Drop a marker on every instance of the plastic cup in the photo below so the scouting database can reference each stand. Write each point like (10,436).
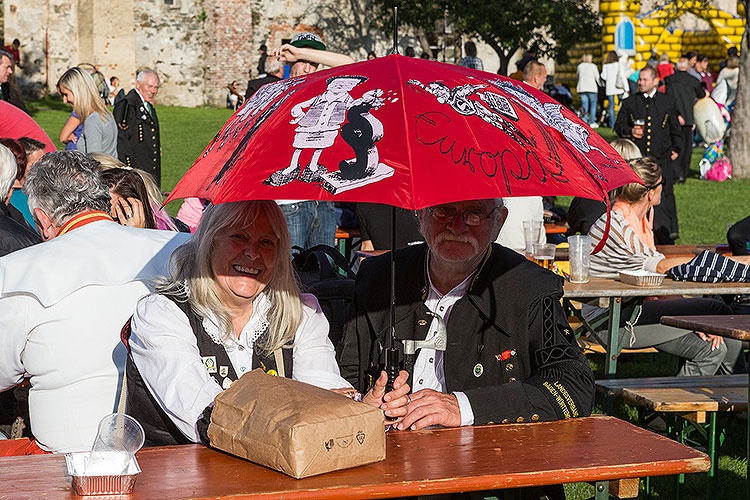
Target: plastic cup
(579,255)
(118,438)
(532,231)
(544,254)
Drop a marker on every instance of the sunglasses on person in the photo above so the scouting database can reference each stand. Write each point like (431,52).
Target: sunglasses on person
(660,183)
(446,214)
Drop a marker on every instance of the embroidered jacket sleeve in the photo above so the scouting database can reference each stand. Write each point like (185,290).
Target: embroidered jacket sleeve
(560,383)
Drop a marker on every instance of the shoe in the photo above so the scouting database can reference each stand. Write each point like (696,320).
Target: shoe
(313,175)
(594,125)
(279,178)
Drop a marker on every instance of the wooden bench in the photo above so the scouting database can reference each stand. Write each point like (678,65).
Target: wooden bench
(689,405)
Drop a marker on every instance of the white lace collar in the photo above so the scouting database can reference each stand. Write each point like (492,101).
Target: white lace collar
(251,332)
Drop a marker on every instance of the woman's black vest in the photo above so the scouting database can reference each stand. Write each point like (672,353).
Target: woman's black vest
(141,404)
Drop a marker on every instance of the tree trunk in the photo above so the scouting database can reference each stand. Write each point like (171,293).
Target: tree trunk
(501,54)
(738,145)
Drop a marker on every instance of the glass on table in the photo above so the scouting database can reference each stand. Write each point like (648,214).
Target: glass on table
(544,254)
(532,233)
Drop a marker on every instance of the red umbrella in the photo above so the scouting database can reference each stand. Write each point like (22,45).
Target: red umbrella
(404,132)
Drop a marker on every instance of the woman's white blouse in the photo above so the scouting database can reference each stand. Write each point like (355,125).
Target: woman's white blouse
(166,353)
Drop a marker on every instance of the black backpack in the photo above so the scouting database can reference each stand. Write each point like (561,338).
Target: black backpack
(334,288)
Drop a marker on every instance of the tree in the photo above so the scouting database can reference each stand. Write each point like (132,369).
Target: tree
(552,26)
(738,144)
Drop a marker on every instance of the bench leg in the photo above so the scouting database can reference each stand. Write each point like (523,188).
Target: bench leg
(712,438)
(601,490)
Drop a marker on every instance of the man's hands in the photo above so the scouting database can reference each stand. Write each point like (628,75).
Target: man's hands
(715,340)
(393,403)
(428,407)
(674,155)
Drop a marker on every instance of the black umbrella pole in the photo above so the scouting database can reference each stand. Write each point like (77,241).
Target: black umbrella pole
(391,353)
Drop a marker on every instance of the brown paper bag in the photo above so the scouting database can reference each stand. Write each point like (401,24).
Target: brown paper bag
(293,427)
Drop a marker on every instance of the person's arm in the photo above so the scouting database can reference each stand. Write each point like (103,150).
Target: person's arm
(93,132)
(13,316)
(561,383)
(165,351)
(66,134)
(623,127)
(125,119)
(289,54)
(675,131)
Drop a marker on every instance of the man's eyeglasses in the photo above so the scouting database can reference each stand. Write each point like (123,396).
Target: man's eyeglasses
(446,214)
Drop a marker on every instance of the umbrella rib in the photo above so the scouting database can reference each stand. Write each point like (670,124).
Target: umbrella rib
(406,132)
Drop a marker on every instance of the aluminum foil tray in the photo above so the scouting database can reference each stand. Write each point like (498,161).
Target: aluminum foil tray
(99,485)
(642,278)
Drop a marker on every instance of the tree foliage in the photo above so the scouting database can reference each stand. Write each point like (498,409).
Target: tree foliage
(552,26)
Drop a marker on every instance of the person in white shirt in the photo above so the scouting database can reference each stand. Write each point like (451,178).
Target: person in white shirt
(63,302)
(231,305)
(588,87)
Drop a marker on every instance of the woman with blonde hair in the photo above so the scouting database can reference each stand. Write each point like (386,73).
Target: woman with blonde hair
(99,129)
(630,247)
(614,83)
(231,305)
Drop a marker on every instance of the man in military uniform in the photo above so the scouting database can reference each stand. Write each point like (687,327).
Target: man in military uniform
(495,344)
(138,126)
(649,118)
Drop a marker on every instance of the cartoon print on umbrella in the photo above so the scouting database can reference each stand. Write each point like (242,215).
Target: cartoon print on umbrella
(260,101)
(318,128)
(458,99)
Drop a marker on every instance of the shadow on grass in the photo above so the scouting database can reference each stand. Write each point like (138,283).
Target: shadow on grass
(48,103)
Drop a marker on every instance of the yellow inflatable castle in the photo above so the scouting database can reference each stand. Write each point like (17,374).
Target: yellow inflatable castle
(675,28)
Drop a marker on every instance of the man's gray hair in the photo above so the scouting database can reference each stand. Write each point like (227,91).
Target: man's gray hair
(682,64)
(66,183)
(142,75)
(8,169)
(4,53)
(273,65)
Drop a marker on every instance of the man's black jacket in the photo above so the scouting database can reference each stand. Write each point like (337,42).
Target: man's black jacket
(662,133)
(510,349)
(684,89)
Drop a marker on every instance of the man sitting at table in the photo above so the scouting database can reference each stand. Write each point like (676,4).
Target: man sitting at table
(510,354)
(64,301)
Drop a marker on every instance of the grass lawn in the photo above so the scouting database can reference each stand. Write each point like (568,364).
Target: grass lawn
(704,208)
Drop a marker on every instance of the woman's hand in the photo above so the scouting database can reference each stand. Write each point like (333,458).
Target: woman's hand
(128,212)
(715,340)
(392,403)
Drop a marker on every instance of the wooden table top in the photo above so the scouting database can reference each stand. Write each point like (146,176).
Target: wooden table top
(347,233)
(681,394)
(733,327)
(613,287)
(419,463)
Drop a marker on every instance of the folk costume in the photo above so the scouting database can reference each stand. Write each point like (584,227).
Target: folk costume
(179,362)
(510,355)
(662,135)
(138,143)
(62,305)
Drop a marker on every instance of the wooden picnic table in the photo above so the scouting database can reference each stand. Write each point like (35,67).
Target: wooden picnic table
(418,463)
(668,250)
(613,291)
(690,403)
(733,327)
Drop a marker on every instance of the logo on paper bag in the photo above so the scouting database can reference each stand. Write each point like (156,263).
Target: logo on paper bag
(344,441)
(361,437)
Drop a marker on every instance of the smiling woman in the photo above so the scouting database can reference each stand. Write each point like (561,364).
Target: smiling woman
(231,305)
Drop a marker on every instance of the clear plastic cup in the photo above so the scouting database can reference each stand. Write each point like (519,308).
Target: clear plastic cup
(544,254)
(579,254)
(532,232)
(118,438)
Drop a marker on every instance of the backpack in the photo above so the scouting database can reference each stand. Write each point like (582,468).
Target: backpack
(334,290)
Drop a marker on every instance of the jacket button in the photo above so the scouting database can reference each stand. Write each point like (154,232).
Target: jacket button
(509,367)
(490,423)
(512,379)
(535,417)
(519,419)
(422,322)
(505,421)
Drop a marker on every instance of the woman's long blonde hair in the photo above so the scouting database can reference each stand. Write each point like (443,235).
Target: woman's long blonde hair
(86,99)
(191,272)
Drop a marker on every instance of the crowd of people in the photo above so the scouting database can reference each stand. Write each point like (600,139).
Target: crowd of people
(144,317)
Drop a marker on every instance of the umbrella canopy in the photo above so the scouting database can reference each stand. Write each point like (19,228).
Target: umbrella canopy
(405,132)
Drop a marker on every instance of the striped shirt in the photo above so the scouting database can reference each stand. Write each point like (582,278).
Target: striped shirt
(710,267)
(623,251)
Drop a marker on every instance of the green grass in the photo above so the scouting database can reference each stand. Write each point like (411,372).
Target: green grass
(704,209)
(185,132)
